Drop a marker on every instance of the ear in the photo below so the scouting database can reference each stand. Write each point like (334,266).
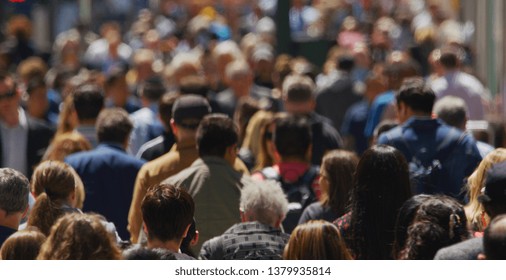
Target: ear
(145,228)
(173,126)
(195,239)
(481,256)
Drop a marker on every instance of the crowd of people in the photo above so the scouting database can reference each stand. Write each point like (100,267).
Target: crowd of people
(188,137)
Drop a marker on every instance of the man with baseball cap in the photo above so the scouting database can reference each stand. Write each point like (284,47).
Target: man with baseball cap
(187,112)
(493,198)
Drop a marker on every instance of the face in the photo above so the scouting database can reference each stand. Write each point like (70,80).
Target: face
(9,99)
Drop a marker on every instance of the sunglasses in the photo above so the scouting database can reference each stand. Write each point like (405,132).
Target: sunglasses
(8,95)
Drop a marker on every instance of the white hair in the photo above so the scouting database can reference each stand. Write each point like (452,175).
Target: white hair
(265,201)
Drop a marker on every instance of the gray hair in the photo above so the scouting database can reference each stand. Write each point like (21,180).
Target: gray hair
(14,191)
(452,110)
(265,200)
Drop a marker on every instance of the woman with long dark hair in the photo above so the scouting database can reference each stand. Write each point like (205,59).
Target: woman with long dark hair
(381,186)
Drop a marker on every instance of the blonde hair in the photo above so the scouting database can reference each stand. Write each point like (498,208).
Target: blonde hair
(316,240)
(79,237)
(476,216)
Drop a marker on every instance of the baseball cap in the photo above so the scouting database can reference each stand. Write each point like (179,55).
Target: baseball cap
(188,110)
(495,184)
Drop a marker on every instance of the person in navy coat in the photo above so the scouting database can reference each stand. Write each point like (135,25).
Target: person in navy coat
(108,172)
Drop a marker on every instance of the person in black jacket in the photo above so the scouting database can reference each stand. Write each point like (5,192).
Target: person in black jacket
(20,134)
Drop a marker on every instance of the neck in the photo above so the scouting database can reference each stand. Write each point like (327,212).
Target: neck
(171,245)
(11,221)
(293,159)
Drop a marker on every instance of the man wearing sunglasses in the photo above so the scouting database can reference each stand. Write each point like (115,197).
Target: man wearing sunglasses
(19,133)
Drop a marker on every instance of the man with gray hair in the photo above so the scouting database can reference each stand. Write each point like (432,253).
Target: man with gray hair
(454,112)
(263,207)
(14,191)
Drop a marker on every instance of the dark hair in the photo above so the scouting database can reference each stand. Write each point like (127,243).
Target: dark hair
(440,221)
(345,63)
(450,56)
(215,134)
(339,167)
(381,186)
(22,245)
(415,94)
(14,191)
(494,239)
(113,125)
(152,89)
(404,219)
(167,211)
(52,182)
(292,136)
(165,107)
(88,101)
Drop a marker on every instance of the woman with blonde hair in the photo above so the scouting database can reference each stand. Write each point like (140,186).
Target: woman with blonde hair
(54,186)
(476,216)
(257,142)
(316,240)
(79,237)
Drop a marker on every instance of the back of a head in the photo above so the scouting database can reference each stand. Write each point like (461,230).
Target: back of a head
(152,89)
(298,89)
(167,211)
(237,69)
(398,68)
(88,101)
(114,126)
(22,245)
(215,134)
(14,191)
(66,144)
(194,85)
(439,221)
(264,202)
(316,240)
(79,237)
(165,107)
(381,186)
(338,167)
(494,239)
(450,57)
(417,95)
(406,216)
(452,110)
(345,63)
(292,136)
(189,110)
(53,183)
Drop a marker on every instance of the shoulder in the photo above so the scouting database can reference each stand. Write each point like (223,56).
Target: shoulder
(465,250)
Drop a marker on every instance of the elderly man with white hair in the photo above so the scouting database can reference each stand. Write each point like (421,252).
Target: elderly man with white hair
(263,207)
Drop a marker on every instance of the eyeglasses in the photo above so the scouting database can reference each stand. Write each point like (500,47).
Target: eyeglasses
(8,95)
